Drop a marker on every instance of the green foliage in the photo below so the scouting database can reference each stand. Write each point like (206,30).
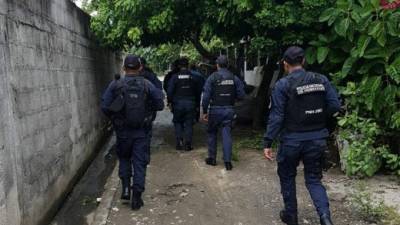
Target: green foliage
(361,49)
(123,23)
(160,57)
(251,140)
(364,42)
(277,26)
(362,157)
(365,154)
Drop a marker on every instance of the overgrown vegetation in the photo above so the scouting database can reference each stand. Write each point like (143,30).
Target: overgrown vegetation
(355,42)
(371,209)
(363,40)
(252,140)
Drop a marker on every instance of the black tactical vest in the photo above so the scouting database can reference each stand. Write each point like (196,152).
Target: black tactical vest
(184,86)
(306,108)
(224,91)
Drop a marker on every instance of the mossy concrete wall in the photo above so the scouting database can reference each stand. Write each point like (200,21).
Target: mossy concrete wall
(51,76)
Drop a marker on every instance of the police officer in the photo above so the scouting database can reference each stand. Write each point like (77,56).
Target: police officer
(148,74)
(300,106)
(202,81)
(130,103)
(184,92)
(174,69)
(221,90)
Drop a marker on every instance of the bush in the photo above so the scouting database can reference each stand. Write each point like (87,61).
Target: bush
(362,40)
(365,155)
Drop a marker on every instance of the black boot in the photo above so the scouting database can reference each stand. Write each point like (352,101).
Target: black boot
(326,220)
(179,145)
(137,201)
(126,189)
(188,147)
(211,162)
(228,166)
(288,219)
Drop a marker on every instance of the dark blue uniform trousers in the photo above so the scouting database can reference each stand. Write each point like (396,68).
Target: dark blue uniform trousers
(134,154)
(184,115)
(220,118)
(289,156)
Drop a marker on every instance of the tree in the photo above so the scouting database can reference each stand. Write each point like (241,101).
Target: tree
(123,23)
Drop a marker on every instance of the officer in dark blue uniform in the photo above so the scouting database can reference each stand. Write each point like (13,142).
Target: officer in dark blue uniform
(174,69)
(300,106)
(184,92)
(202,81)
(130,103)
(149,75)
(221,90)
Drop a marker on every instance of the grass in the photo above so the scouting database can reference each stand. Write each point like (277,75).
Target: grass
(247,140)
(373,210)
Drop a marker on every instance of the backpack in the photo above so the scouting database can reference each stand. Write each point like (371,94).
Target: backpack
(133,102)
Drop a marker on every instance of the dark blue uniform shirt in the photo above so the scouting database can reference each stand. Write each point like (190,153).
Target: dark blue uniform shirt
(208,88)
(279,100)
(152,77)
(200,76)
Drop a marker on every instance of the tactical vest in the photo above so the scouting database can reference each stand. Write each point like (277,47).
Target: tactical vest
(184,87)
(224,91)
(306,107)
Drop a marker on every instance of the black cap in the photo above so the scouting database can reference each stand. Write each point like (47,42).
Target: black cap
(294,55)
(222,60)
(132,62)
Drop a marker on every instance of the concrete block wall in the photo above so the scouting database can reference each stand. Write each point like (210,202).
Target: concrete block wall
(51,78)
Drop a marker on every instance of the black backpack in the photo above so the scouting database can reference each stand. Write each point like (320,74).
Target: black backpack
(133,103)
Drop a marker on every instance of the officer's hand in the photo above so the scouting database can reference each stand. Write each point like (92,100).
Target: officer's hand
(268,154)
(205,117)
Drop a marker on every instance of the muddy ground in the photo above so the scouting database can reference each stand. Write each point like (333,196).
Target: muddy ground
(181,189)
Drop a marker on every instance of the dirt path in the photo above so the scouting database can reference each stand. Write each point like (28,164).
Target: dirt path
(181,189)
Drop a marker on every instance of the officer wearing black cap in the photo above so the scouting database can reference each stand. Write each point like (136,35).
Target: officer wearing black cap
(300,106)
(221,90)
(149,75)
(184,91)
(130,103)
